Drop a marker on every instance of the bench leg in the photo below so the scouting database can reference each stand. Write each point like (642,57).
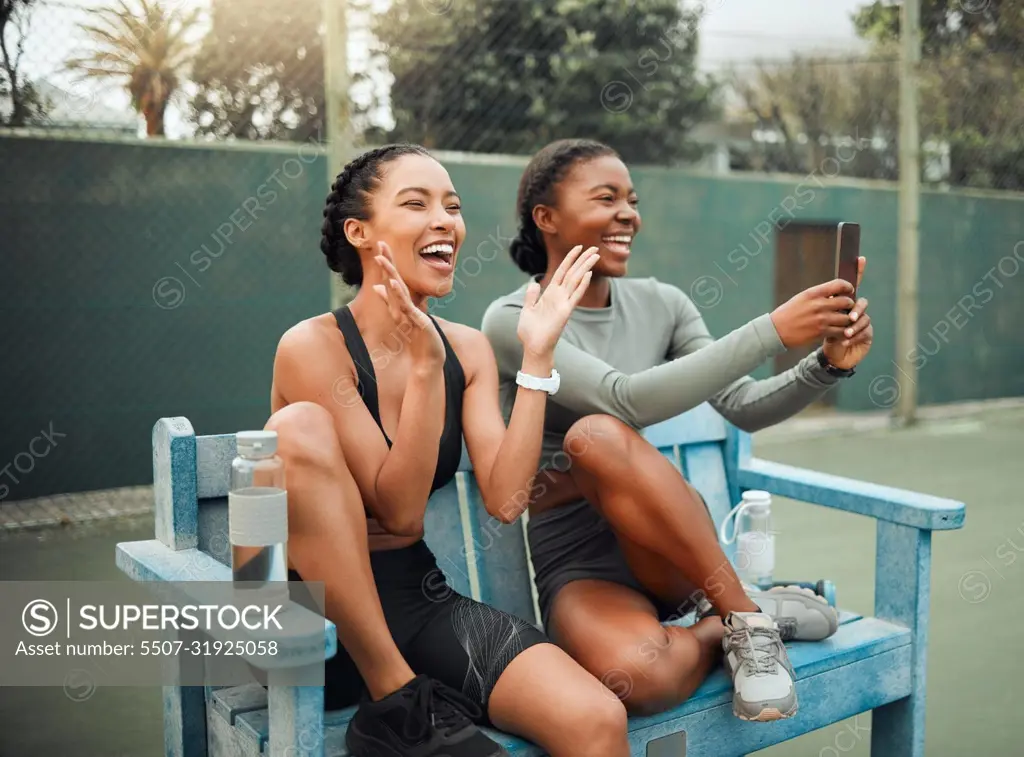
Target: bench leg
(902,594)
(296,716)
(185,721)
(184,706)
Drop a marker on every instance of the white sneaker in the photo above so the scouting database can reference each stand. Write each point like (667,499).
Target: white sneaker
(762,676)
(800,614)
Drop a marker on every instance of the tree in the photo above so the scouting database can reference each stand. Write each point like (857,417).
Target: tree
(504,76)
(842,108)
(26,105)
(971,81)
(989,26)
(259,72)
(146,46)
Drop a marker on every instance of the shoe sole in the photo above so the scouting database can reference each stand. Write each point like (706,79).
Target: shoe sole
(360,745)
(767,715)
(812,603)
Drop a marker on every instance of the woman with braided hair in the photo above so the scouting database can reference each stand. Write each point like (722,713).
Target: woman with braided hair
(620,542)
(372,403)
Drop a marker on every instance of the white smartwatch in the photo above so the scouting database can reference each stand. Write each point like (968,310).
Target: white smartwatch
(549,385)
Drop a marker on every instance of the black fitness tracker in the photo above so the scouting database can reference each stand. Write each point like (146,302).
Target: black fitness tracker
(830,369)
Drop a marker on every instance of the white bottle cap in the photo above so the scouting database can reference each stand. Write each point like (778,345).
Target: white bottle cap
(757,499)
(256,442)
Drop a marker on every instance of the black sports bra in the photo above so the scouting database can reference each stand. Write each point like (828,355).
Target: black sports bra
(450,454)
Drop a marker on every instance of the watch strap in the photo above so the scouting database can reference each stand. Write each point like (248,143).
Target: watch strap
(547,384)
(830,369)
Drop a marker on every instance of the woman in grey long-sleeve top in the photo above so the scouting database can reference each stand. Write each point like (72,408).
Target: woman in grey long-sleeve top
(620,541)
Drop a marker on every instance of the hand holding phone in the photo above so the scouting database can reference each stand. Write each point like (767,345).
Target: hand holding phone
(847,351)
(848,253)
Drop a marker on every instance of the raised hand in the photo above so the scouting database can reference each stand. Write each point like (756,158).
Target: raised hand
(544,315)
(848,350)
(814,313)
(414,326)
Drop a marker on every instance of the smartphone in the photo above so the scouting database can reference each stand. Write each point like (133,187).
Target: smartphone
(848,253)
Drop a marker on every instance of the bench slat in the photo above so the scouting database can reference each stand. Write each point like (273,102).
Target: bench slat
(705,468)
(214,454)
(701,424)
(499,554)
(231,702)
(443,531)
(877,501)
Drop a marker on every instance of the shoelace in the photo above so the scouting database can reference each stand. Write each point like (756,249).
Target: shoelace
(440,706)
(760,657)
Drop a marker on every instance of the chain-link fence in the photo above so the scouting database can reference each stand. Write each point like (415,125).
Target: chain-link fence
(507,76)
(184,69)
(165,169)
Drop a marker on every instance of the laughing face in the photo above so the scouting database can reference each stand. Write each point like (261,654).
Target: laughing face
(416,211)
(596,205)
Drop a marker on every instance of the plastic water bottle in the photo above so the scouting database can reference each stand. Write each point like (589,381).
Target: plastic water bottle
(258,514)
(754,537)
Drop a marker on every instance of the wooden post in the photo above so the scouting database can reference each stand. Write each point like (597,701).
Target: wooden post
(337,116)
(909,211)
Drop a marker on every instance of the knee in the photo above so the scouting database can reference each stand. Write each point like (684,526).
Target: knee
(598,726)
(599,438)
(656,673)
(306,434)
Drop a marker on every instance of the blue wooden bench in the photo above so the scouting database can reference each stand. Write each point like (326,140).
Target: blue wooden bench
(871,664)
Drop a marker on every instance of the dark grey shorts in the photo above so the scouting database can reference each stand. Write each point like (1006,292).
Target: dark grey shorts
(574,542)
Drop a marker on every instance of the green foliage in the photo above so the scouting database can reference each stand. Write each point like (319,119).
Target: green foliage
(972,84)
(144,45)
(504,76)
(992,26)
(26,105)
(842,110)
(260,71)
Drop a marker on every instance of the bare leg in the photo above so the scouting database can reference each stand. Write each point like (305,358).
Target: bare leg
(614,633)
(546,697)
(328,542)
(657,516)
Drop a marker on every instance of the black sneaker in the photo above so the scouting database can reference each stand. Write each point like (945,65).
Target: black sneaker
(424,718)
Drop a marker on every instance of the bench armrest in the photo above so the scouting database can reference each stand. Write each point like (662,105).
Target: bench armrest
(309,638)
(887,503)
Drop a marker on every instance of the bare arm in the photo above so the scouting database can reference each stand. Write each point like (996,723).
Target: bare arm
(394,483)
(402,485)
(504,459)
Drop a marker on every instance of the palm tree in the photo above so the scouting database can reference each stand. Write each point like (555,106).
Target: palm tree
(145,46)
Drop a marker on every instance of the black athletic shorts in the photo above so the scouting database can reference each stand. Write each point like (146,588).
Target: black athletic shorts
(573,542)
(451,638)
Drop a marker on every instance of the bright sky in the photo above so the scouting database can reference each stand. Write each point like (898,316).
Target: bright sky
(742,30)
(734,32)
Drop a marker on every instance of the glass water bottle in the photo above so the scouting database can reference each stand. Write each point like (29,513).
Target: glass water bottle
(258,514)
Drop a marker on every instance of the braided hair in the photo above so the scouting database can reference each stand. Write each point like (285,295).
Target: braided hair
(536,187)
(349,198)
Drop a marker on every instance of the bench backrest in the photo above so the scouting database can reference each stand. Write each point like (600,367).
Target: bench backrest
(480,556)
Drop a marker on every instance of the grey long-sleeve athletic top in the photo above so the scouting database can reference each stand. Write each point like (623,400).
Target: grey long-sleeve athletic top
(649,357)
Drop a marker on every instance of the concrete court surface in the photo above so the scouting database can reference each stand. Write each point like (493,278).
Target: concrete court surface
(976,671)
